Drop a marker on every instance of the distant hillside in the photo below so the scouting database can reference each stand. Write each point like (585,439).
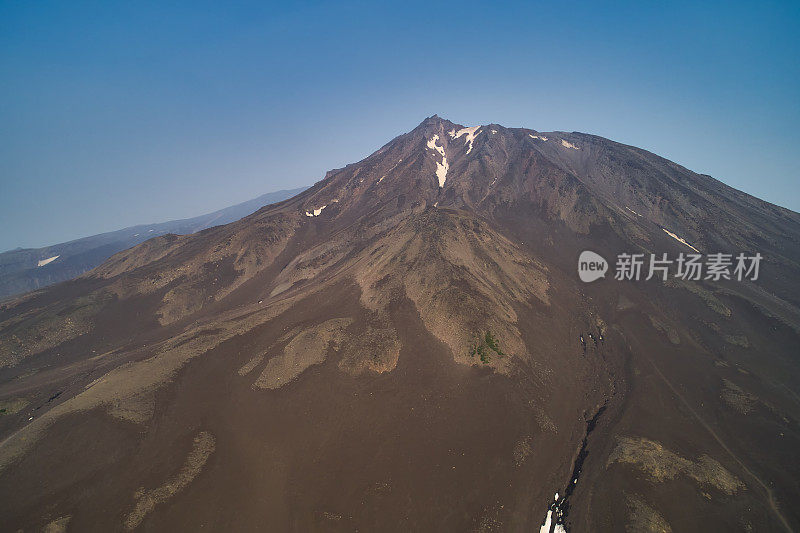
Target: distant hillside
(23,270)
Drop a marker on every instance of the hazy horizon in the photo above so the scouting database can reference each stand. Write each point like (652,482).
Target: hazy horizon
(117,115)
(152,222)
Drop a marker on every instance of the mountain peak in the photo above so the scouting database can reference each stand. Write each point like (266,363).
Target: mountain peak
(435,120)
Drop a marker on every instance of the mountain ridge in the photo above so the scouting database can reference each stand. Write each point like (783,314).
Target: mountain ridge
(20,268)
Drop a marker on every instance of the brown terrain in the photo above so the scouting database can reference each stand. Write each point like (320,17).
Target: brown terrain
(398,348)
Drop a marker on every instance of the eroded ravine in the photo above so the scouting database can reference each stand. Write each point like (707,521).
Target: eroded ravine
(555,521)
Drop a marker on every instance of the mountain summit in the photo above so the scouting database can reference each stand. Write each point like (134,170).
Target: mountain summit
(407,345)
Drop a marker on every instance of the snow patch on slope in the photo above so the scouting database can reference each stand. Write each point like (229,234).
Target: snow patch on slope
(548,521)
(391,169)
(441,168)
(540,137)
(546,526)
(315,212)
(680,239)
(470,133)
(632,211)
(47,261)
(567,144)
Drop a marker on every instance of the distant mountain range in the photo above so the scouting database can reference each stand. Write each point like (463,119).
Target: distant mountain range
(26,269)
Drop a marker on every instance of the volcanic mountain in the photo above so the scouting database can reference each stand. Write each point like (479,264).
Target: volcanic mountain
(407,346)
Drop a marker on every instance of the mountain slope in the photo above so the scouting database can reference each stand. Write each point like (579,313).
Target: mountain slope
(23,270)
(406,346)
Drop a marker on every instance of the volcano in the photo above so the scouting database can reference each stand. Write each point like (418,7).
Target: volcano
(407,346)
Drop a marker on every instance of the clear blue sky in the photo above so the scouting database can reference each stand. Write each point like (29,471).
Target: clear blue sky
(117,113)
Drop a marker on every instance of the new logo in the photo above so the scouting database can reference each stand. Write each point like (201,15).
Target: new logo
(591,266)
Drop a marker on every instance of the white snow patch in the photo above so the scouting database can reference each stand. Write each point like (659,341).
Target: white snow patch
(546,527)
(135,234)
(315,212)
(680,240)
(441,168)
(558,528)
(494,131)
(470,133)
(540,137)
(567,144)
(148,231)
(47,261)
(632,211)
(391,169)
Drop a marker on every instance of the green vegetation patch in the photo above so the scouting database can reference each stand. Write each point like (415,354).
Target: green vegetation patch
(484,346)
